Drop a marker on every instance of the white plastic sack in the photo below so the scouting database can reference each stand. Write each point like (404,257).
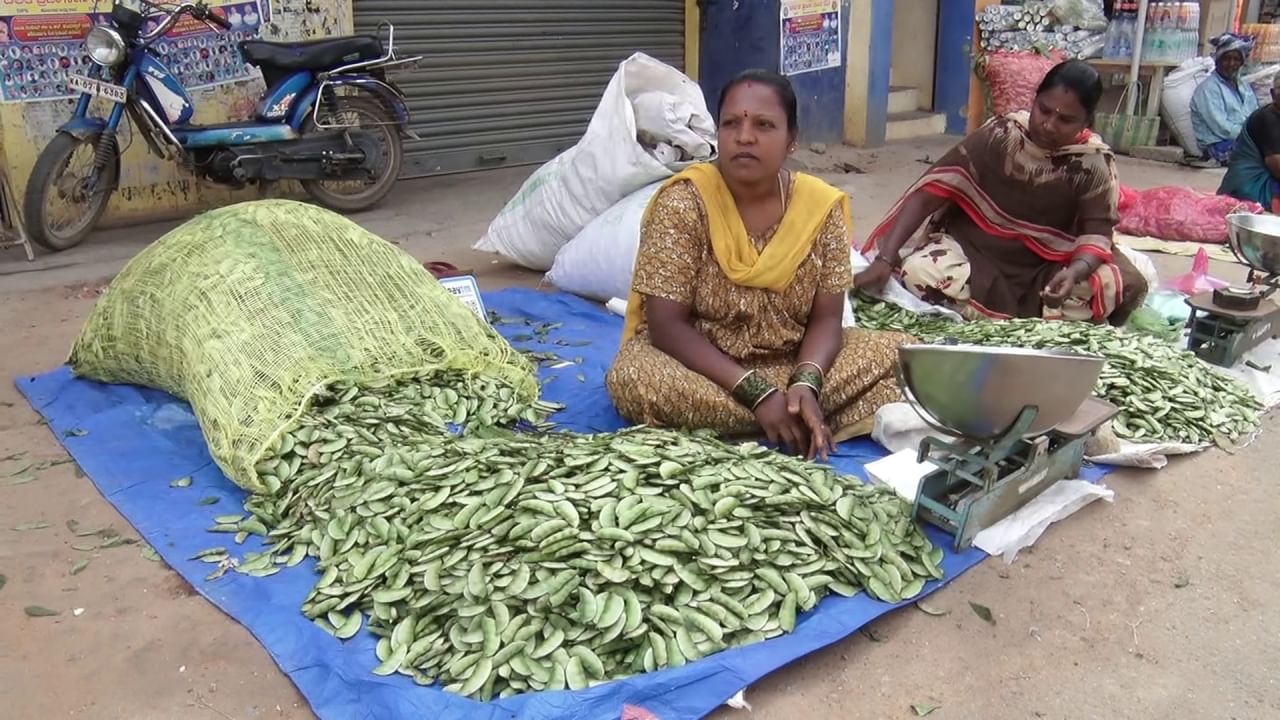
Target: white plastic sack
(609,163)
(1175,102)
(664,119)
(597,264)
(1024,527)
(1261,81)
(899,427)
(1144,265)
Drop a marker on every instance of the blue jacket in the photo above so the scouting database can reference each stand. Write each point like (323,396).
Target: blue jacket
(1218,111)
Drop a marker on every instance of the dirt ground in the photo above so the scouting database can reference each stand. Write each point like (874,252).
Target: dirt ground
(1163,604)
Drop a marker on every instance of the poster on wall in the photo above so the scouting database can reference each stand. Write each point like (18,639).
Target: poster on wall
(42,41)
(810,35)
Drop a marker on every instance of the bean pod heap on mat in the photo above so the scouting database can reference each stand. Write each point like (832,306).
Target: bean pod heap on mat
(499,562)
(492,562)
(1165,394)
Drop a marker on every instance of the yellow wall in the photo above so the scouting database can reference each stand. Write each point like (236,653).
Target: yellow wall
(692,38)
(150,188)
(915,41)
(857,73)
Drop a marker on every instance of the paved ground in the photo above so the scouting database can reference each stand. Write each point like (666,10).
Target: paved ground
(1162,604)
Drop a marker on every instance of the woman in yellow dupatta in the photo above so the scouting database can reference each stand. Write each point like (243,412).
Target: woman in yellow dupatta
(734,321)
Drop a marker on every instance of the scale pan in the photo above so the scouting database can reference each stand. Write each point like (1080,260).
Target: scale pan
(1255,239)
(977,392)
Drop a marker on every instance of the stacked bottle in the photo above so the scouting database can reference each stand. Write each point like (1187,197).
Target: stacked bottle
(1171,34)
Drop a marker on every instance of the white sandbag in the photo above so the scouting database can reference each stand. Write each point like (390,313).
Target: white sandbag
(1175,102)
(597,264)
(609,163)
(1146,268)
(1261,83)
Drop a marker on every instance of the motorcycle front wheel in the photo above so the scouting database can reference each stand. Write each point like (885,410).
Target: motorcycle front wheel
(61,176)
(355,195)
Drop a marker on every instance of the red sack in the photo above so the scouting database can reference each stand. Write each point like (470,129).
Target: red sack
(1198,280)
(1012,78)
(1178,213)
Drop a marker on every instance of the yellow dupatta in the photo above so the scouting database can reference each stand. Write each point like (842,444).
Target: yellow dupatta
(773,268)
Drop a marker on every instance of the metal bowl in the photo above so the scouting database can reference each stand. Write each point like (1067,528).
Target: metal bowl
(1255,239)
(978,392)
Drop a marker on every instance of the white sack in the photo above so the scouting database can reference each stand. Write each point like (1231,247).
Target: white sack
(1024,527)
(1175,102)
(597,264)
(609,163)
(1144,265)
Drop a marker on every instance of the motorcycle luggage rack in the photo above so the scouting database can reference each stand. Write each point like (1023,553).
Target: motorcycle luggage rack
(329,101)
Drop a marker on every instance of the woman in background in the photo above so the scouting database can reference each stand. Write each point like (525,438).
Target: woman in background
(1021,215)
(734,320)
(1223,101)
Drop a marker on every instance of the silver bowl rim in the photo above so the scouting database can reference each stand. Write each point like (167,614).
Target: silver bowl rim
(1234,222)
(932,420)
(1062,353)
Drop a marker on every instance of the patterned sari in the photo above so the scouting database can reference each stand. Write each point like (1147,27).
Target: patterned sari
(1017,214)
(751,296)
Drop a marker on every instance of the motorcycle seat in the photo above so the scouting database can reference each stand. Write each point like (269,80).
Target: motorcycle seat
(325,54)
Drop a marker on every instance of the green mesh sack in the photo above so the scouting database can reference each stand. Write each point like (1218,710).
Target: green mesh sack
(247,311)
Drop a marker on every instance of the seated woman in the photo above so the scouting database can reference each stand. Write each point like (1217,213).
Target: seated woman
(1223,101)
(1022,213)
(1254,171)
(734,320)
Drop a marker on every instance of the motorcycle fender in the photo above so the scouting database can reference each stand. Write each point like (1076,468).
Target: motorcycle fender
(389,95)
(82,128)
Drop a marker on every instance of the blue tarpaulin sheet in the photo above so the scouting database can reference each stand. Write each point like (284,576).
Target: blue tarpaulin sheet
(133,442)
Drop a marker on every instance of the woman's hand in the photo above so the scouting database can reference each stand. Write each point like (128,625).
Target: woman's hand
(874,276)
(1059,287)
(782,428)
(802,403)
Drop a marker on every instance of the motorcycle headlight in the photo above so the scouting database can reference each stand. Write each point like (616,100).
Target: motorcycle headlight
(105,46)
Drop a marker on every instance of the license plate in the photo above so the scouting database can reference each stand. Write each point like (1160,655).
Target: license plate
(98,88)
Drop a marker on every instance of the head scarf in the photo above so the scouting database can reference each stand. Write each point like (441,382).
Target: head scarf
(1231,42)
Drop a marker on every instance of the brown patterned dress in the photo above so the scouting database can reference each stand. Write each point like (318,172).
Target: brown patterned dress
(1017,214)
(760,329)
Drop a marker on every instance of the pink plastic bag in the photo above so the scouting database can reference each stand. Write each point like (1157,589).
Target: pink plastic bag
(1178,213)
(1198,280)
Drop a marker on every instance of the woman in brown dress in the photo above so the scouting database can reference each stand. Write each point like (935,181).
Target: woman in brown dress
(1021,218)
(734,321)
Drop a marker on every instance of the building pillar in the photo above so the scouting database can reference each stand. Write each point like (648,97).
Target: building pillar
(870,56)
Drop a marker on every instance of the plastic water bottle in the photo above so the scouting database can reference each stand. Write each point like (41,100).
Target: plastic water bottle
(1109,41)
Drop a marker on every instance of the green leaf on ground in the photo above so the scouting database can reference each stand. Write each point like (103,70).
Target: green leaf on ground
(983,612)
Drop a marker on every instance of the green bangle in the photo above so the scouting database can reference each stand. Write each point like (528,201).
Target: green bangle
(805,377)
(751,390)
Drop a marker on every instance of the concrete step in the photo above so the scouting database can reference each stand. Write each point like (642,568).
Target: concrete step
(918,123)
(903,99)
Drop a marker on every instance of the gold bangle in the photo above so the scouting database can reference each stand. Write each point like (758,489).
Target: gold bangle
(821,373)
(762,398)
(811,386)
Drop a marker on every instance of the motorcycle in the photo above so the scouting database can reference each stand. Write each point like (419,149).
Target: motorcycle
(330,119)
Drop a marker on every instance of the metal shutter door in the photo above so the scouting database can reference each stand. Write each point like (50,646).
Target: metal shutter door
(510,82)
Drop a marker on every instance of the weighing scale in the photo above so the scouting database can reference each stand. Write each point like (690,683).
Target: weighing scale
(997,465)
(1229,322)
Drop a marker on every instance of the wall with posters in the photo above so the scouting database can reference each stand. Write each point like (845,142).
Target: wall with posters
(807,40)
(838,54)
(41,40)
